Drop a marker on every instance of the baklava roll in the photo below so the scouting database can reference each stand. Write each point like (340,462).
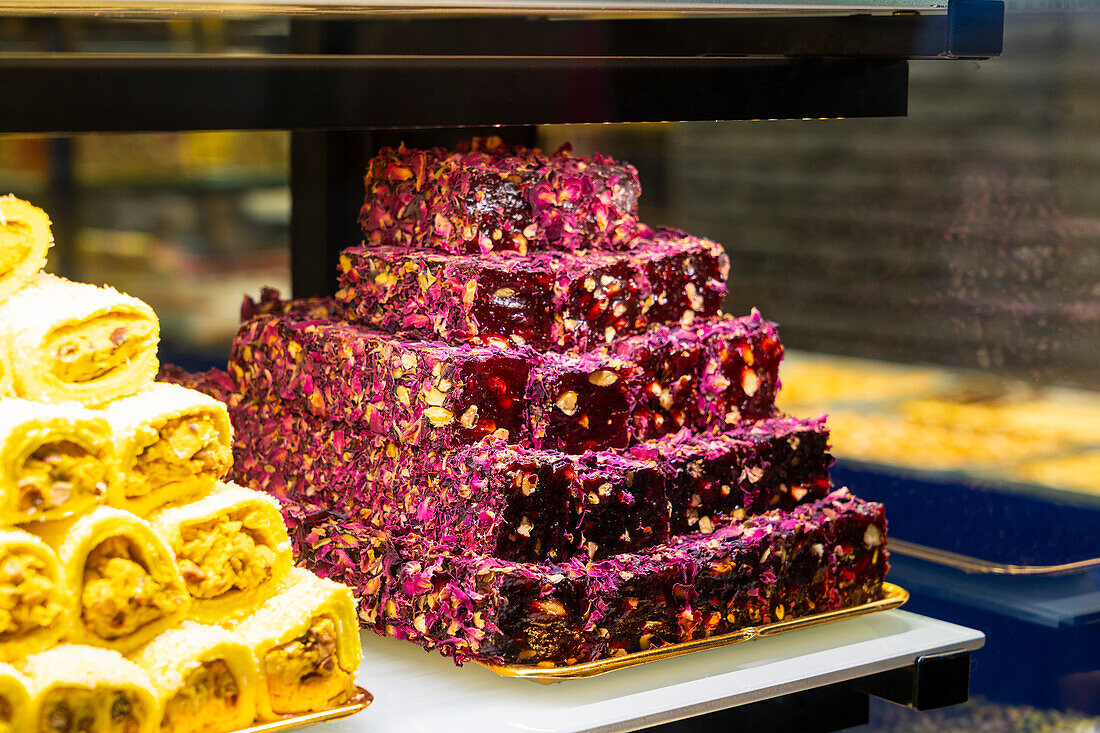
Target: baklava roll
(306,642)
(123,582)
(7,383)
(232,549)
(55,460)
(34,602)
(82,689)
(205,679)
(66,341)
(172,443)
(25,237)
(15,700)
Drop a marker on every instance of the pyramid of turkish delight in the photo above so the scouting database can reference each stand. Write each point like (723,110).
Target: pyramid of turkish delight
(523,431)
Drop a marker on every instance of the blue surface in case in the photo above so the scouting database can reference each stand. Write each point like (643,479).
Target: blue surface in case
(1038,630)
(1007,524)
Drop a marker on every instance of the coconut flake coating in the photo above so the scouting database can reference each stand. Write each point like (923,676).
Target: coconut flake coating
(485,196)
(780,565)
(550,299)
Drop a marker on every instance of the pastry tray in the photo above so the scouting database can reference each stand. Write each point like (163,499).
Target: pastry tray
(360,701)
(892,597)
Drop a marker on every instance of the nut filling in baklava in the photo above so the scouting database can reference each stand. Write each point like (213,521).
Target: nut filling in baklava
(7,716)
(223,555)
(120,594)
(184,447)
(59,473)
(95,347)
(28,596)
(305,673)
(76,710)
(210,693)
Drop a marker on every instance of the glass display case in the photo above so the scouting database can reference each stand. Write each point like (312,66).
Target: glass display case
(919,221)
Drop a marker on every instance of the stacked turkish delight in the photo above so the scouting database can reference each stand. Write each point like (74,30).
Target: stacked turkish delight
(524,431)
(821,556)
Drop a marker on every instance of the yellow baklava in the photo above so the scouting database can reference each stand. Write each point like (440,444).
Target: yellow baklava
(63,341)
(123,581)
(15,701)
(82,689)
(34,602)
(55,460)
(25,237)
(172,445)
(205,678)
(232,550)
(306,641)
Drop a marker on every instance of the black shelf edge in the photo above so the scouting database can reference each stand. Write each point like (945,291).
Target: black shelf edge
(932,681)
(107,94)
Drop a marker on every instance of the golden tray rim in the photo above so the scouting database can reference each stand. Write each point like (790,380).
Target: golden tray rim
(360,702)
(893,596)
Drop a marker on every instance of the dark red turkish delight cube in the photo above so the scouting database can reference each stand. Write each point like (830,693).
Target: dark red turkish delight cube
(860,540)
(741,375)
(580,402)
(502,295)
(418,392)
(748,469)
(542,508)
(556,506)
(517,305)
(686,282)
(665,385)
(486,196)
(625,504)
(540,620)
(549,299)
(605,302)
(493,397)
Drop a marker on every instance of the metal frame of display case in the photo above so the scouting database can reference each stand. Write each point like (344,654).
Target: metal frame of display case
(359,77)
(393,67)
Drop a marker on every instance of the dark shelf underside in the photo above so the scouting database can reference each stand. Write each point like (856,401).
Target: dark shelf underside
(299,93)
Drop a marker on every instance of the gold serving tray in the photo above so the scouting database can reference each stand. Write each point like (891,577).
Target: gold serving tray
(361,700)
(892,597)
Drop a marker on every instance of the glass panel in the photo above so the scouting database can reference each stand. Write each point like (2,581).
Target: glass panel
(935,281)
(187,222)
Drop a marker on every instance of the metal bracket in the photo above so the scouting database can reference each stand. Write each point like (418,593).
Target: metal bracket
(975,28)
(932,681)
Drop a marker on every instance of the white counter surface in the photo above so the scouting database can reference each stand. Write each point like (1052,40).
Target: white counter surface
(419,691)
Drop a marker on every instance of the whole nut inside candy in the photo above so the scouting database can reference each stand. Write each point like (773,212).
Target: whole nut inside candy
(439,416)
(749,382)
(603,378)
(567,402)
(469,418)
(872,536)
